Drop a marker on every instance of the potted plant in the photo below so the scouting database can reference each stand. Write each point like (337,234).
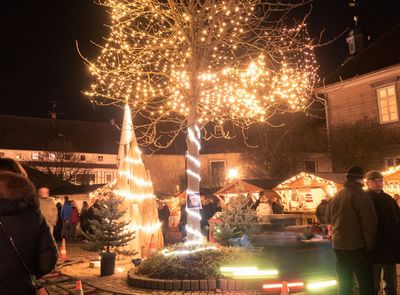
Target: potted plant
(108,232)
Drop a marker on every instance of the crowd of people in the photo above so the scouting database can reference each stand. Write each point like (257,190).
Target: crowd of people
(365,231)
(364,228)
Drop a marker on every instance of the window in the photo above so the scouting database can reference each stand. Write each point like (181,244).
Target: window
(52,156)
(108,178)
(83,157)
(100,158)
(387,104)
(35,156)
(18,156)
(85,178)
(310,166)
(392,162)
(218,130)
(217,173)
(67,157)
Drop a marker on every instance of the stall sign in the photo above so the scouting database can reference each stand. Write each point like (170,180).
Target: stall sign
(193,201)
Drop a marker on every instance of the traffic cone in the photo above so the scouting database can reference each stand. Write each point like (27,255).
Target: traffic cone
(152,247)
(78,288)
(63,250)
(285,289)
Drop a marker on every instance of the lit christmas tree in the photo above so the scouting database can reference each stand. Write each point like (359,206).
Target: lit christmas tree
(183,64)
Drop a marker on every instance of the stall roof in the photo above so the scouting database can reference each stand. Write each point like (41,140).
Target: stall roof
(392,173)
(247,186)
(295,181)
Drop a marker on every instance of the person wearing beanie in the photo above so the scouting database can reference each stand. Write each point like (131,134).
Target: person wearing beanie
(351,214)
(387,249)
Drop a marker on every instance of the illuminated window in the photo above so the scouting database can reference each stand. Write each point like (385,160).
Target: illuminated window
(52,156)
(100,158)
(35,156)
(387,104)
(18,156)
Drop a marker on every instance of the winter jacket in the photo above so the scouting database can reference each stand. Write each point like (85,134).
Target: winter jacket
(21,217)
(277,208)
(321,211)
(49,209)
(74,215)
(66,211)
(352,215)
(387,248)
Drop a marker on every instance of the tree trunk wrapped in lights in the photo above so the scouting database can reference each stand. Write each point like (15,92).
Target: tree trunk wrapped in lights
(184,64)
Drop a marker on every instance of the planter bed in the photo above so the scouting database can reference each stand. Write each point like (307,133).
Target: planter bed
(138,281)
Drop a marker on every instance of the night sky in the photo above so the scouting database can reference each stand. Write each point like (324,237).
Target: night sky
(40,62)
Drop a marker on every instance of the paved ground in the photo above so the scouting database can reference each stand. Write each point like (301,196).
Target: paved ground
(63,280)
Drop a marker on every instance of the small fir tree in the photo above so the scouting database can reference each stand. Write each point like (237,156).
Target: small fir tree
(236,221)
(108,231)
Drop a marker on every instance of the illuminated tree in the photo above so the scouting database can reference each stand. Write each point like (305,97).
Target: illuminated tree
(183,64)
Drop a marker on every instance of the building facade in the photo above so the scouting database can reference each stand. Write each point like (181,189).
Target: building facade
(87,153)
(365,90)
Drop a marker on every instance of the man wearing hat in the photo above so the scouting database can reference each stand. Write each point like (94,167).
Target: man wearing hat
(352,216)
(387,248)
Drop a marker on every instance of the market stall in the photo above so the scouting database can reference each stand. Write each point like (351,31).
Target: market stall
(392,180)
(248,187)
(304,191)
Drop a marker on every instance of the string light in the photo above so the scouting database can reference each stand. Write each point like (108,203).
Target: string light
(331,187)
(135,196)
(193,160)
(147,228)
(194,174)
(173,77)
(166,252)
(193,213)
(149,60)
(197,234)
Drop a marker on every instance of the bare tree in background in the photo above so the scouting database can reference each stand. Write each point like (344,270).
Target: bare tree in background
(59,161)
(185,63)
(361,143)
(281,150)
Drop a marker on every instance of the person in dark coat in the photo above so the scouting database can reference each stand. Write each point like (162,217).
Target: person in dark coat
(84,217)
(22,220)
(57,233)
(321,211)
(183,221)
(276,206)
(387,249)
(351,213)
(163,216)
(207,212)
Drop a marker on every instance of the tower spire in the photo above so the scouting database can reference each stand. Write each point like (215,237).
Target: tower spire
(355,39)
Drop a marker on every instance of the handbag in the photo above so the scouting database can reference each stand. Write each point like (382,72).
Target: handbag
(39,289)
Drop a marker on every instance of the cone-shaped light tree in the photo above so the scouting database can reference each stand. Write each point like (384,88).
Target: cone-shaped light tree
(184,63)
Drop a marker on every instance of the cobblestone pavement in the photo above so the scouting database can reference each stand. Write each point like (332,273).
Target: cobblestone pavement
(58,283)
(63,280)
